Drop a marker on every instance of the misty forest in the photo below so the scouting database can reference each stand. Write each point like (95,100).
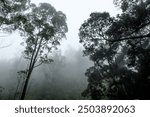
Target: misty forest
(113,62)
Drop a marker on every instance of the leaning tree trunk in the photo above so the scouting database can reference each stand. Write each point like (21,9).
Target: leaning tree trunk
(26,85)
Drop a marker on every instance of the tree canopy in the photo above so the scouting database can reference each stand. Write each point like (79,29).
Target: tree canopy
(120,49)
(12,12)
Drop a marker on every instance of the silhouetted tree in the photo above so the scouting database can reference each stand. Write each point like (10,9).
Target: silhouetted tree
(43,29)
(120,50)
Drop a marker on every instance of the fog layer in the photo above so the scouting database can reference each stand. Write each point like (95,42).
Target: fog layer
(62,79)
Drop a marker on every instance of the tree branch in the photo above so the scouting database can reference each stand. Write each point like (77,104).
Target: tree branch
(142,26)
(38,64)
(129,38)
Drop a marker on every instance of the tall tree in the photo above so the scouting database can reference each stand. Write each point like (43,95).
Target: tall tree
(120,50)
(42,28)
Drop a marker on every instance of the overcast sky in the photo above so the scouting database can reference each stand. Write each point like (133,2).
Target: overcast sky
(76,11)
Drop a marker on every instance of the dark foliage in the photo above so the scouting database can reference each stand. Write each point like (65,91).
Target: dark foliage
(120,50)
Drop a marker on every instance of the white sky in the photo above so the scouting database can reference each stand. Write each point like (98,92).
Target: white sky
(76,11)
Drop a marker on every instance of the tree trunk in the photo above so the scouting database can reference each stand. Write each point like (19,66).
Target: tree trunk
(26,85)
(31,67)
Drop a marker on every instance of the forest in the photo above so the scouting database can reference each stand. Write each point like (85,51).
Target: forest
(113,64)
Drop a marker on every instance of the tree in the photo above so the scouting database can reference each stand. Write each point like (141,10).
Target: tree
(12,12)
(119,47)
(137,35)
(132,21)
(42,28)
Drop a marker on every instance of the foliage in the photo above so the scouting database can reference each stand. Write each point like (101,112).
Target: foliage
(120,50)
(12,12)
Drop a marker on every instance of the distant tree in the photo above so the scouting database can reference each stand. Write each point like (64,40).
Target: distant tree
(42,29)
(120,50)
(57,81)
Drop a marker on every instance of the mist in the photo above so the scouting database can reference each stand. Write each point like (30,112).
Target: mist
(62,79)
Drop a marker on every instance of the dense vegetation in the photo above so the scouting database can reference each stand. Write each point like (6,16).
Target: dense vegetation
(120,49)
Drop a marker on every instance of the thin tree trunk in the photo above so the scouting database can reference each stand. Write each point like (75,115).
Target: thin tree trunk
(31,67)
(26,85)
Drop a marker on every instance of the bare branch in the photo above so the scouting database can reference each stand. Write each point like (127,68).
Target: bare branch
(38,64)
